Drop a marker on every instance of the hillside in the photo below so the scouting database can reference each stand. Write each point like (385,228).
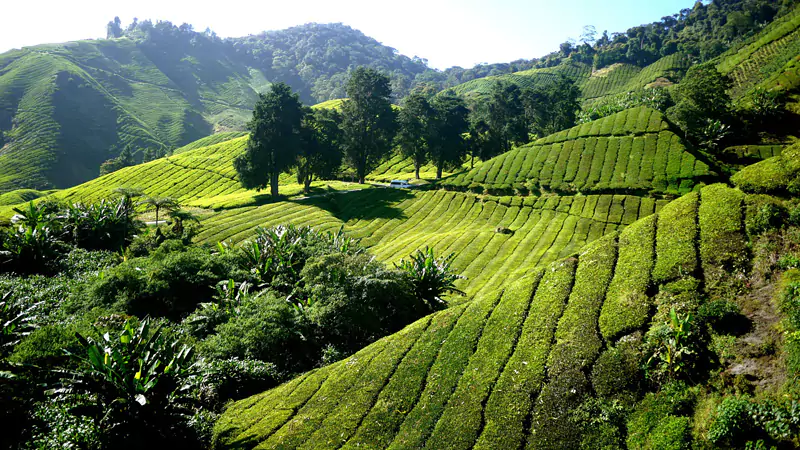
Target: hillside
(506,370)
(393,224)
(613,79)
(634,150)
(66,108)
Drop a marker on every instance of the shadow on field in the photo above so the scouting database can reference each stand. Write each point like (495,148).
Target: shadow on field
(368,204)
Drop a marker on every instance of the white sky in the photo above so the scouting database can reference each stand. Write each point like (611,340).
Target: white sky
(446,32)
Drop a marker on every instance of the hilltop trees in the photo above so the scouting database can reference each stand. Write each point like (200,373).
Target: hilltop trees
(450,121)
(274,139)
(413,136)
(319,155)
(368,121)
(703,106)
(551,110)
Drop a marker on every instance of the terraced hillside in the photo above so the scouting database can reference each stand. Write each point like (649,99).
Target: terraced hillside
(614,79)
(400,167)
(771,59)
(507,369)
(394,224)
(64,109)
(201,177)
(634,150)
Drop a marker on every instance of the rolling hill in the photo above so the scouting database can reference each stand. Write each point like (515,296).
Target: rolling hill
(66,108)
(505,370)
(634,150)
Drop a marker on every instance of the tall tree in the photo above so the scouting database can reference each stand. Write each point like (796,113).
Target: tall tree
(447,146)
(274,139)
(505,116)
(551,110)
(368,121)
(114,28)
(414,122)
(320,152)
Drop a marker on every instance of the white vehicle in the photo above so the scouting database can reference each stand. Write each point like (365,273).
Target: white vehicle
(399,184)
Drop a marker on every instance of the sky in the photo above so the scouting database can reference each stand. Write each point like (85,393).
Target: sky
(445,32)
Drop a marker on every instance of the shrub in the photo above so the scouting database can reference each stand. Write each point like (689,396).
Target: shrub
(431,277)
(170,283)
(233,379)
(266,329)
(57,427)
(764,217)
(672,433)
(136,379)
(656,419)
(107,225)
(616,372)
(731,422)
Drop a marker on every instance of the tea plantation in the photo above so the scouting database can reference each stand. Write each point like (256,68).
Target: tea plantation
(507,369)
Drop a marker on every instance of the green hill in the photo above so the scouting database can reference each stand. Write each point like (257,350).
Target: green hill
(66,108)
(507,369)
(614,79)
(630,151)
(197,177)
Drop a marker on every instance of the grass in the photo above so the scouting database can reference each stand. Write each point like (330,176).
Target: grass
(632,151)
(504,370)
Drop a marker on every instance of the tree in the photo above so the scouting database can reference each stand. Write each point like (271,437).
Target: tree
(368,121)
(149,155)
(114,28)
(447,146)
(274,139)
(160,203)
(320,153)
(413,136)
(478,143)
(125,157)
(703,102)
(552,110)
(505,117)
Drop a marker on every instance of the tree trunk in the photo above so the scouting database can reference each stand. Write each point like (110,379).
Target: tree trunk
(307,184)
(438,172)
(471,162)
(157,224)
(416,171)
(273,185)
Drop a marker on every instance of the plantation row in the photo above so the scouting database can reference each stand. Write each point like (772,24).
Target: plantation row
(395,224)
(615,79)
(569,162)
(505,370)
(760,60)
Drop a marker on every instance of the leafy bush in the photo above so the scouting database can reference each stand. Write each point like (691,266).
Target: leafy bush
(107,225)
(765,217)
(431,277)
(170,283)
(672,347)
(57,427)
(657,419)
(133,383)
(267,329)
(16,322)
(233,379)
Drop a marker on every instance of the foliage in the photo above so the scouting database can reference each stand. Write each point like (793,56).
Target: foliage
(551,110)
(449,121)
(274,139)
(431,277)
(657,98)
(703,105)
(107,225)
(232,379)
(368,120)
(414,134)
(137,378)
(57,427)
(169,283)
(671,347)
(320,154)
(16,322)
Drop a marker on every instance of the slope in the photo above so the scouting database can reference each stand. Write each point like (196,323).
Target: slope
(505,370)
(202,177)
(614,79)
(628,152)
(494,239)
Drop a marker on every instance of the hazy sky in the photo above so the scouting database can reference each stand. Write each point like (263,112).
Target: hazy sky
(446,32)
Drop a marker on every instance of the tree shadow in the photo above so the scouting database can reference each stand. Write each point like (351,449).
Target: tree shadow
(367,204)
